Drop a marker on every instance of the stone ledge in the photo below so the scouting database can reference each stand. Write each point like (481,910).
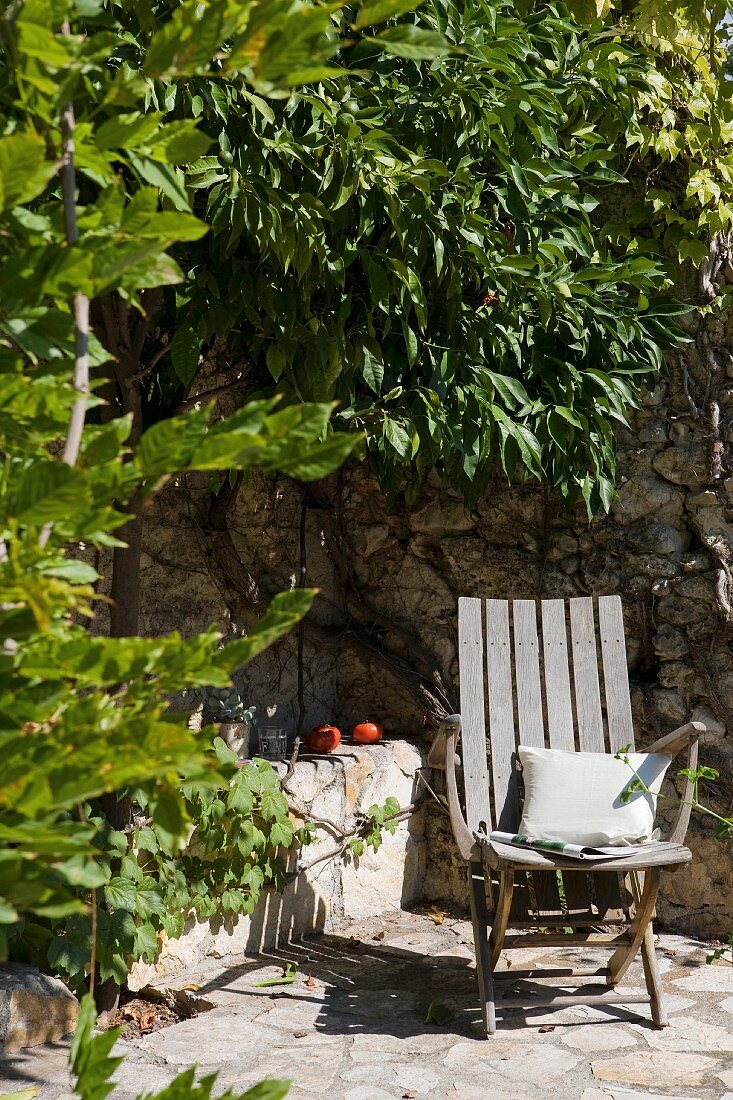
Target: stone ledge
(331,787)
(34,1008)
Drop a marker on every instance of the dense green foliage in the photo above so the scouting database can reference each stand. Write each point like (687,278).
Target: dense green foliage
(239,840)
(84,716)
(435,245)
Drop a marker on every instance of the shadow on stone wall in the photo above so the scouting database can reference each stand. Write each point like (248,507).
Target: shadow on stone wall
(388,597)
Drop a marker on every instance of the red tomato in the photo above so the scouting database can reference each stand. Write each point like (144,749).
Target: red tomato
(323,739)
(368,733)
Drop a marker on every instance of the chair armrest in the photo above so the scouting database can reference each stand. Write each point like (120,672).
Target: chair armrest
(687,736)
(443,755)
(437,753)
(674,742)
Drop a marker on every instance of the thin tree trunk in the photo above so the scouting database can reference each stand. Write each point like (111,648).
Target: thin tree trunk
(125,587)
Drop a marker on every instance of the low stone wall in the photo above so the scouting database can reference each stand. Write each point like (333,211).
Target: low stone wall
(34,1008)
(330,790)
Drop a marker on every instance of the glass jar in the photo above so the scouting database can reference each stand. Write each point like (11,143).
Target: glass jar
(273,742)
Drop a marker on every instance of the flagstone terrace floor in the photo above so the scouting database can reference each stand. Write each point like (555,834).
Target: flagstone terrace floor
(352,1026)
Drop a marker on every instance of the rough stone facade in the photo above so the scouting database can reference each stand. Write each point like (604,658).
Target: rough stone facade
(384,625)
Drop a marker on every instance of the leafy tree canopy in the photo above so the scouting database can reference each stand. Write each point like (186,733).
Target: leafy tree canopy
(83,166)
(472,255)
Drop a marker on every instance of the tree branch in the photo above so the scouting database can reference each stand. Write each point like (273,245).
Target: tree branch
(80,305)
(359,830)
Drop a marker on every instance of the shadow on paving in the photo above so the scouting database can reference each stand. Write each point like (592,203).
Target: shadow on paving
(376,989)
(34,1065)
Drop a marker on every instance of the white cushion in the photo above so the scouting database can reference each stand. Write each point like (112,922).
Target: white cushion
(575,797)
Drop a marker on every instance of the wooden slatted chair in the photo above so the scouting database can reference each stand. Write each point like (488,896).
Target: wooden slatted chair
(532,889)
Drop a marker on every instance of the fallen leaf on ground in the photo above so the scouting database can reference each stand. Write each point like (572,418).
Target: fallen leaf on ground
(143,1015)
(436,916)
(287,978)
(378,935)
(438,1013)
(546,1027)
(310,982)
(299,1034)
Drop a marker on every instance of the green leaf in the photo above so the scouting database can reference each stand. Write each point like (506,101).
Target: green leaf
(438,1013)
(398,437)
(373,371)
(46,492)
(24,170)
(412,42)
(695,250)
(185,353)
(148,899)
(72,570)
(146,942)
(179,143)
(188,41)
(119,893)
(168,179)
(377,11)
(266,1090)
(281,834)
(128,131)
(168,821)
(91,1063)
(289,975)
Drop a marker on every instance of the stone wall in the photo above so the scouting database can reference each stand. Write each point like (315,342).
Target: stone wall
(384,627)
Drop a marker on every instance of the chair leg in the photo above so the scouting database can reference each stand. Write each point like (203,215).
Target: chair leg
(623,956)
(653,978)
(501,916)
(480,921)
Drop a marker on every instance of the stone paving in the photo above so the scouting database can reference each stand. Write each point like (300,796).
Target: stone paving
(352,1027)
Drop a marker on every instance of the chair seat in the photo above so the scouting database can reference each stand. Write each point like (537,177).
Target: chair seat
(661,854)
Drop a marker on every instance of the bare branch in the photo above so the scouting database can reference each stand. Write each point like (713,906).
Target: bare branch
(291,766)
(360,830)
(80,305)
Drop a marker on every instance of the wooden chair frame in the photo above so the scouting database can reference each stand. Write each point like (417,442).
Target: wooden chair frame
(511,887)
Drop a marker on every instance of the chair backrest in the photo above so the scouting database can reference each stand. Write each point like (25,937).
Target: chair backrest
(553,698)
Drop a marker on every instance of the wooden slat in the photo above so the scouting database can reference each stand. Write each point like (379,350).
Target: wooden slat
(473,732)
(578,897)
(574,922)
(562,974)
(585,675)
(560,720)
(557,675)
(568,939)
(532,728)
(547,896)
(615,672)
(501,714)
(570,1000)
(609,895)
(608,889)
(527,670)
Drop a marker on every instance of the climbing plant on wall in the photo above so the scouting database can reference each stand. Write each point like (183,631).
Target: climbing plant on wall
(436,246)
